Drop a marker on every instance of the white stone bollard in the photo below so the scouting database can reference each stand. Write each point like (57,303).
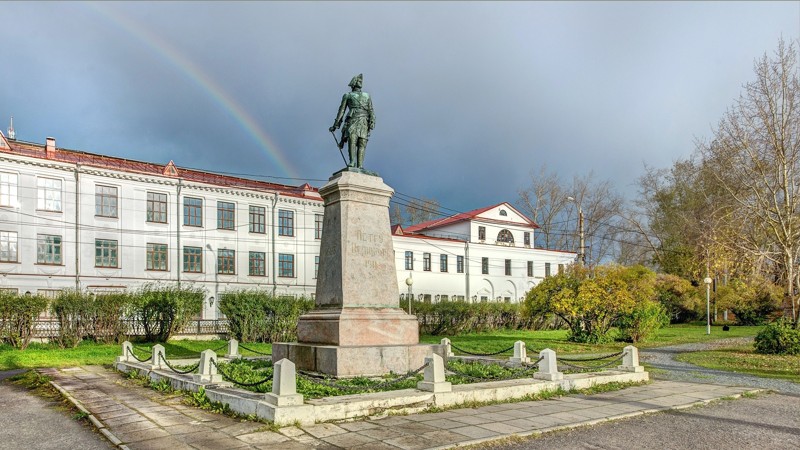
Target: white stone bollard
(520,353)
(434,376)
(207,370)
(156,362)
(127,351)
(447,350)
(233,349)
(284,385)
(630,360)
(548,367)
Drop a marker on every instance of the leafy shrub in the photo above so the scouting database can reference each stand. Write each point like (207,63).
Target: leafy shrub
(644,320)
(17,316)
(451,318)
(163,310)
(109,311)
(75,311)
(778,338)
(751,300)
(258,316)
(681,300)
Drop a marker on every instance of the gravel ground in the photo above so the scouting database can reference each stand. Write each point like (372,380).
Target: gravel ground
(662,358)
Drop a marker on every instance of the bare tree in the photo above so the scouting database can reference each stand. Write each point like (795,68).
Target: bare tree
(412,210)
(755,157)
(546,201)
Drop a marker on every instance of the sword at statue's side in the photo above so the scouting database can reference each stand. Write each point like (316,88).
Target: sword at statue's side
(339,145)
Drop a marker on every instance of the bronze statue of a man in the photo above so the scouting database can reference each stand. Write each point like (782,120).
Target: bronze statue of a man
(359,122)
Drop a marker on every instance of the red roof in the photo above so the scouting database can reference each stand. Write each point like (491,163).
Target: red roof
(170,169)
(461,217)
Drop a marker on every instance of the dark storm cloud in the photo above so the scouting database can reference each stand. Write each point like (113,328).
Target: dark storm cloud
(469,96)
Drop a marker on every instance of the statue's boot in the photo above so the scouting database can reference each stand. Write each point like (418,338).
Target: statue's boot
(361,152)
(353,161)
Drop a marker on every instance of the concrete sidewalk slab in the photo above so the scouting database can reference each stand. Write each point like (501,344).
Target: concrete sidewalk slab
(142,418)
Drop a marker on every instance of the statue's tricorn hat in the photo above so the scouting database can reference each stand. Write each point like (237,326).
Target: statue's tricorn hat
(358,79)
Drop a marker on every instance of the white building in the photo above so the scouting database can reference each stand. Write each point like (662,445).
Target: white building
(71,219)
(481,255)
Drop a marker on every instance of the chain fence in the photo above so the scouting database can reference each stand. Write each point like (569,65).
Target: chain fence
(480,354)
(254,351)
(344,387)
(130,352)
(172,368)
(569,362)
(230,379)
(532,368)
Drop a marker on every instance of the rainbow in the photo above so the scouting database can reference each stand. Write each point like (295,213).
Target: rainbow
(194,73)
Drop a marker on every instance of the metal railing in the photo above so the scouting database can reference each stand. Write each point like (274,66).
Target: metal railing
(45,329)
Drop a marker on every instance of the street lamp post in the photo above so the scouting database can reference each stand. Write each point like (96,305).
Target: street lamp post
(409,283)
(707,281)
(581,252)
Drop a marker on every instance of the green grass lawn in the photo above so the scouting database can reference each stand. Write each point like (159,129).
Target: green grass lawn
(50,355)
(745,360)
(536,341)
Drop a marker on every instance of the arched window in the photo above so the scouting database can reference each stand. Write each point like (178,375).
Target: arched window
(503,212)
(505,237)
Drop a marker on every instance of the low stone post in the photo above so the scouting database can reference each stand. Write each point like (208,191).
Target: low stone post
(434,376)
(447,350)
(630,360)
(127,351)
(284,385)
(233,349)
(207,370)
(156,361)
(548,367)
(520,353)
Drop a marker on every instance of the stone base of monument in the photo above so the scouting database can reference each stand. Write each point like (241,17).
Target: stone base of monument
(346,361)
(358,326)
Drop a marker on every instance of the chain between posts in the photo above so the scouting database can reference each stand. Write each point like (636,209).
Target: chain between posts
(182,372)
(620,356)
(598,358)
(254,351)
(516,375)
(216,350)
(136,357)
(334,385)
(238,383)
(481,354)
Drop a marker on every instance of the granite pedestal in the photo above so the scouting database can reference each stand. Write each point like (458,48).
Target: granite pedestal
(357,327)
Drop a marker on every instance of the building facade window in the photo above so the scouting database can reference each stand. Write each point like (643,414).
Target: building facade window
(508,267)
(485,266)
(526,237)
(156,207)
(157,256)
(460,264)
(409,260)
(317,226)
(258,219)
(560,269)
(106,253)
(546,269)
(226,216)
(8,246)
(285,265)
(258,264)
(193,259)
(226,261)
(193,212)
(48,249)
(48,194)
(426,262)
(8,189)
(503,212)
(481,233)
(316,267)
(443,263)
(530,268)
(285,223)
(105,201)
(505,237)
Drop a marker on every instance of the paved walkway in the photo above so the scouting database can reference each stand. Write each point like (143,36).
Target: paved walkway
(140,418)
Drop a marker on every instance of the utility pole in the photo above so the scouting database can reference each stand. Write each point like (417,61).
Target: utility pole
(582,240)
